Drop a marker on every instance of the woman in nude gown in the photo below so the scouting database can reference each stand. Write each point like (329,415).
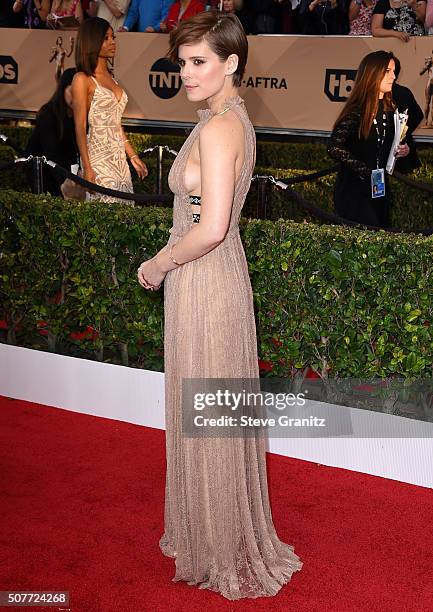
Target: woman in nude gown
(99,101)
(218,523)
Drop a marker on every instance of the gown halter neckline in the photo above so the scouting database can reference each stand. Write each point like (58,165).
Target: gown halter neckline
(229,103)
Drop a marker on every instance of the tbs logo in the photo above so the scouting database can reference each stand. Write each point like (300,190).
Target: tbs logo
(8,70)
(339,84)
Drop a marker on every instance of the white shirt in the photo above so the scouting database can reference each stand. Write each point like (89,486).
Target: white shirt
(105,13)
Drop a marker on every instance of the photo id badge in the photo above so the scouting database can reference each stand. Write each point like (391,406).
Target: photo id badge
(378,183)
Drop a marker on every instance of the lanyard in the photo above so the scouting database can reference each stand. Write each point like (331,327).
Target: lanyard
(380,137)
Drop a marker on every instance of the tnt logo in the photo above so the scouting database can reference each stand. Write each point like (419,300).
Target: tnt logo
(164,78)
(8,70)
(339,84)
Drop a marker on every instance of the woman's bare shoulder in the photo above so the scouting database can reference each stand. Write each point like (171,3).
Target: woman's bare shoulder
(225,130)
(81,79)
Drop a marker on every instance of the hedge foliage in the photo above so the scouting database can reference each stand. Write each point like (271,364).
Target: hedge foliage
(412,209)
(342,301)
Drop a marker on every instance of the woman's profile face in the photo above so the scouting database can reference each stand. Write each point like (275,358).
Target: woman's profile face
(202,71)
(388,79)
(108,47)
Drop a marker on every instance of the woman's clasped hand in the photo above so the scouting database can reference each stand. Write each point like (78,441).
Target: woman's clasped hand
(402,150)
(150,274)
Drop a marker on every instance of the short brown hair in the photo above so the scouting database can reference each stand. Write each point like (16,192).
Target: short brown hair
(223,33)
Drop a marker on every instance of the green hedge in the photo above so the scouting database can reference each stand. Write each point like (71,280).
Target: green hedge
(412,208)
(343,302)
(301,156)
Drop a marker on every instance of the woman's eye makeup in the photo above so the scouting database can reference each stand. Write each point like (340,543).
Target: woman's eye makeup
(196,61)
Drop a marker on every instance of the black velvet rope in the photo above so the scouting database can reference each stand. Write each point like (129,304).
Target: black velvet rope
(413,183)
(337,220)
(319,213)
(136,197)
(303,178)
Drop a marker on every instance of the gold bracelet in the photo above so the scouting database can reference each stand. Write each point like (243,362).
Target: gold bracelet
(172,258)
(132,156)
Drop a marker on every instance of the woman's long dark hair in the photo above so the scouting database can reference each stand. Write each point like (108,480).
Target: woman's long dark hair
(56,105)
(365,94)
(91,35)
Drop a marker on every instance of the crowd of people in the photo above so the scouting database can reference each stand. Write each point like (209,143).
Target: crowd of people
(382,18)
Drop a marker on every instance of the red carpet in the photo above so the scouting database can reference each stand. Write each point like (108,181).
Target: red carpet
(82,510)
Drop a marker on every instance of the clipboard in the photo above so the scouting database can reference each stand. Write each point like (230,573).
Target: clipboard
(400,130)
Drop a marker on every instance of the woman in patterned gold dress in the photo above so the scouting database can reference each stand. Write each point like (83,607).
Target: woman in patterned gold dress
(218,522)
(99,101)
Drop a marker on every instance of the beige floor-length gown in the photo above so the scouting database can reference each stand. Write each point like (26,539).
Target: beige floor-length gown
(105,144)
(218,522)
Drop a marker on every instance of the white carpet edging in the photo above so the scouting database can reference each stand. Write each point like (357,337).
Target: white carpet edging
(137,396)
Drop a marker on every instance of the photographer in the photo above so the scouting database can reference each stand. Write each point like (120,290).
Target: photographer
(323,17)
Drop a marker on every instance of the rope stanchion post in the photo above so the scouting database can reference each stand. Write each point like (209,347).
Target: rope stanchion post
(262,193)
(37,175)
(262,197)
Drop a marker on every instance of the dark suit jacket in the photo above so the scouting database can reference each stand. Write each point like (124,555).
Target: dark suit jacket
(45,140)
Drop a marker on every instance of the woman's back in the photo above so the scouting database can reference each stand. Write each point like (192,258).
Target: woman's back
(178,181)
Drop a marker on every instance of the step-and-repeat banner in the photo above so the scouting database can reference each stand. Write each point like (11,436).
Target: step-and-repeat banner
(291,82)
